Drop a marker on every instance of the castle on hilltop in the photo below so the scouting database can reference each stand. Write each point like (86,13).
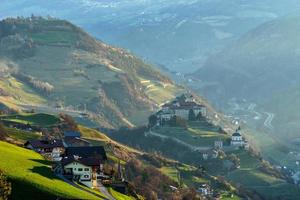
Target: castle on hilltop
(184,106)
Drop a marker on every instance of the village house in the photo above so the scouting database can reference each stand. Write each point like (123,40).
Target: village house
(84,164)
(17,125)
(73,139)
(218,144)
(210,154)
(296,178)
(205,190)
(52,149)
(75,142)
(182,106)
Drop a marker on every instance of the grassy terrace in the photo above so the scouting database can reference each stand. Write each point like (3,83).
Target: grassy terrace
(19,93)
(197,134)
(252,178)
(159,92)
(32,178)
(39,119)
(249,175)
(119,196)
(52,37)
(22,136)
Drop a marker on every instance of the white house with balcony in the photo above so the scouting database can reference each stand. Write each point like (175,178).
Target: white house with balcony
(84,164)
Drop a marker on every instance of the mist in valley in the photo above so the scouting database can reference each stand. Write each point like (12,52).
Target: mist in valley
(242,56)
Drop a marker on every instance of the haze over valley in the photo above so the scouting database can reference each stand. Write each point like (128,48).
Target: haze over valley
(150,99)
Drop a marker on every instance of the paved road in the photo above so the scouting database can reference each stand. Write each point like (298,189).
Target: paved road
(81,188)
(48,109)
(269,119)
(104,191)
(251,108)
(193,148)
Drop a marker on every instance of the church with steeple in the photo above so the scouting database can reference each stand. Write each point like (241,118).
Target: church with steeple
(237,139)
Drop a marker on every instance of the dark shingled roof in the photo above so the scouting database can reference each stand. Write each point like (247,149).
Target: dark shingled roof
(45,143)
(236,134)
(75,141)
(91,161)
(86,152)
(72,134)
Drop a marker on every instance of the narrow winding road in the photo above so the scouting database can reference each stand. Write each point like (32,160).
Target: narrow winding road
(191,147)
(269,119)
(251,108)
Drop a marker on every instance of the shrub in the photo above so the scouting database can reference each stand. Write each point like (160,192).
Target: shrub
(41,86)
(5,187)
(192,115)
(3,133)
(178,121)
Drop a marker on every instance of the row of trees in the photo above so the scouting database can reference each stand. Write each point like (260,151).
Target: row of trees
(41,86)
(176,120)
(3,132)
(152,184)
(194,117)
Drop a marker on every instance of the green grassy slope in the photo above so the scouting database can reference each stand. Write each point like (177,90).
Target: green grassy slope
(39,119)
(109,81)
(17,93)
(31,176)
(249,175)
(22,136)
(118,195)
(267,185)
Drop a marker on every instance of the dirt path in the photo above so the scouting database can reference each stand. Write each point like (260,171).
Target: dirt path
(83,189)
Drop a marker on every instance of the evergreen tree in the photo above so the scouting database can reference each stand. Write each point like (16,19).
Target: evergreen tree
(192,115)
(3,132)
(152,120)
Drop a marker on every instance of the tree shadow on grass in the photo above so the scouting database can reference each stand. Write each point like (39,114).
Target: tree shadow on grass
(44,162)
(44,171)
(23,189)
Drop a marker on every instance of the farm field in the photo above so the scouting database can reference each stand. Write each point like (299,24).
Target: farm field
(39,119)
(34,176)
(194,135)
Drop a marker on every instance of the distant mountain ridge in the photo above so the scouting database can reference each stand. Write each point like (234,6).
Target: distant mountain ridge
(177,34)
(58,63)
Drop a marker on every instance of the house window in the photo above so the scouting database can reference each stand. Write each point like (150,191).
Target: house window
(80,169)
(86,169)
(74,169)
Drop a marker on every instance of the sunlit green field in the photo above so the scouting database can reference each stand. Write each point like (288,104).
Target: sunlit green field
(32,177)
(194,135)
(20,135)
(39,119)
